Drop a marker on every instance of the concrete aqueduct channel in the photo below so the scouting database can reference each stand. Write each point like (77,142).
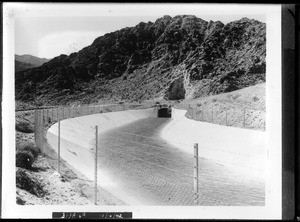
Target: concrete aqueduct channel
(144,160)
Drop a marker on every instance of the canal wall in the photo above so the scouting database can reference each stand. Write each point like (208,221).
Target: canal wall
(230,146)
(239,148)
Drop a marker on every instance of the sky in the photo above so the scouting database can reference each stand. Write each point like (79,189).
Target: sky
(48,30)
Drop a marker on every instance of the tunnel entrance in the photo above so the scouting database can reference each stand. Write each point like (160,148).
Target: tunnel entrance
(164,111)
(176,90)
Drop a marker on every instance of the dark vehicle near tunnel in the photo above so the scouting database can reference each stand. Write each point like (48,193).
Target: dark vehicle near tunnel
(164,111)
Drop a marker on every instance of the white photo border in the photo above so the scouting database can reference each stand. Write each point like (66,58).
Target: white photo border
(273,207)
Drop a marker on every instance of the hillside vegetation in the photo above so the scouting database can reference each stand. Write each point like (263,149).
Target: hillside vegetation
(244,108)
(23,62)
(181,57)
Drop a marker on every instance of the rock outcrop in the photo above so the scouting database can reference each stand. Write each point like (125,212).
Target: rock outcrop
(151,60)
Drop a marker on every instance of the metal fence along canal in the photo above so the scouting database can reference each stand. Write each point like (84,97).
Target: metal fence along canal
(140,168)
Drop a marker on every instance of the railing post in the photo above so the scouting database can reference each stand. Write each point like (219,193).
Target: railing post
(43,114)
(46,111)
(226,117)
(265,121)
(38,128)
(196,173)
(52,115)
(212,114)
(63,112)
(35,125)
(244,117)
(58,148)
(96,159)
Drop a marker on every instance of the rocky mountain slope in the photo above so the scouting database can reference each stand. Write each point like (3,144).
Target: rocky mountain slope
(35,61)
(23,62)
(175,58)
(20,66)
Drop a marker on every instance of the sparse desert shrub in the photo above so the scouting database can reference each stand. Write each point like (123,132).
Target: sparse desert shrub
(108,110)
(20,201)
(255,98)
(24,127)
(198,112)
(234,97)
(24,159)
(26,154)
(32,148)
(27,182)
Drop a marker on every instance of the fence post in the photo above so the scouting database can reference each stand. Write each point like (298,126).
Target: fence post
(43,114)
(244,117)
(63,112)
(58,148)
(52,115)
(35,125)
(38,128)
(226,117)
(265,122)
(69,111)
(212,114)
(96,159)
(46,116)
(196,175)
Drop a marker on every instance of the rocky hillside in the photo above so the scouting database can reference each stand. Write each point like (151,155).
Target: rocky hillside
(20,66)
(175,58)
(23,62)
(33,60)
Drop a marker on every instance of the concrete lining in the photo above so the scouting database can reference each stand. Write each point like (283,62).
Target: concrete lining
(78,137)
(241,148)
(230,146)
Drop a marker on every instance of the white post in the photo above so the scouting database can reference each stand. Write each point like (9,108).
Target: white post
(196,177)
(35,125)
(96,158)
(52,115)
(244,117)
(212,114)
(46,116)
(63,112)
(58,158)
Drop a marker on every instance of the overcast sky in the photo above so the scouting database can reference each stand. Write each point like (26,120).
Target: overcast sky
(48,30)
